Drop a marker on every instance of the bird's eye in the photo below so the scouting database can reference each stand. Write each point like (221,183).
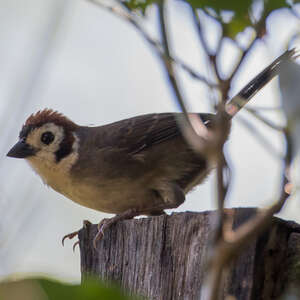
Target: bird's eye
(47,137)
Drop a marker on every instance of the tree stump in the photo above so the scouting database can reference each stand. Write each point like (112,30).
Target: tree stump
(164,257)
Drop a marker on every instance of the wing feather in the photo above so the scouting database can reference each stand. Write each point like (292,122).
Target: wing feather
(138,134)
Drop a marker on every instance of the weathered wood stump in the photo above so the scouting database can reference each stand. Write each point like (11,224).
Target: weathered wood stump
(164,257)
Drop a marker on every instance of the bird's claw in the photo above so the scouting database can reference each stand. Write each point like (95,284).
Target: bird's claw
(69,236)
(105,223)
(74,246)
(100,233)
(75,233)
(97,238)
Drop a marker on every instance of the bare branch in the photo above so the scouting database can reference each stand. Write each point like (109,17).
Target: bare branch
(211,57)
(198,24)
(267,122)
(193,129)
(242,58)
(167,62)
(197,136)
(261,138)
(234,242)
(224,85)
(265,108)
(155,44)
(222,188)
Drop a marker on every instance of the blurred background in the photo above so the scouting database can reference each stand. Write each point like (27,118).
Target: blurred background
(73,57)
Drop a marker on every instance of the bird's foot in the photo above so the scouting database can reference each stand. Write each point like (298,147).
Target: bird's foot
(105,223)
(75,233)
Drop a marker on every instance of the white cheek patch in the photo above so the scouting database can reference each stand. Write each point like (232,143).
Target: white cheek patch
(46,152)
(52,173)
(58,137)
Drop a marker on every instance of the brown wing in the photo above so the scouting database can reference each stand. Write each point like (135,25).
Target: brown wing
(139,133)
(121,150)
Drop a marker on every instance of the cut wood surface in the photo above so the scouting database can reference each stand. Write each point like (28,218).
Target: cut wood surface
(164,257)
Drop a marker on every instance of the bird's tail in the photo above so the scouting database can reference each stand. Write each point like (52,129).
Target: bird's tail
(258,82)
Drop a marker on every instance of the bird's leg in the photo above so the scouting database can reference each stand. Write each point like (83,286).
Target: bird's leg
(105,223)
(172,196)
(75,233)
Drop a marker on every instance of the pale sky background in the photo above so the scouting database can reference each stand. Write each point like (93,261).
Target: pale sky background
(84,62)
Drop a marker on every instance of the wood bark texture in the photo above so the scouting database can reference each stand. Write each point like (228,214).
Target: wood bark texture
(164,257)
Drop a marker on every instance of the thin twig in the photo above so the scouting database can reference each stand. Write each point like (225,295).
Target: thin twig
(211,57)
(242,58)
(260,138)
(260,222)
(157,46)
(200,31)
(224,85)
(234,242)
(267,122)
(265,108)
(167,62)
(231,243)
(222,189)
(196,136)
(193,129)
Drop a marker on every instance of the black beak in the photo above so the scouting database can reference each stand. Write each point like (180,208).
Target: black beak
(21,150)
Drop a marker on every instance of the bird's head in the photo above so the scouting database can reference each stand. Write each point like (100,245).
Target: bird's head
(47,136)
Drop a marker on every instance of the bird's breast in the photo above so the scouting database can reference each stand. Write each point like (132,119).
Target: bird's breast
(106,195)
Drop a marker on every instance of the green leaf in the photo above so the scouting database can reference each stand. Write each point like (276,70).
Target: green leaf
(241,11)
(42,288)
(235,26)
(240,8)
(138,5)
(271,5)
(89,290)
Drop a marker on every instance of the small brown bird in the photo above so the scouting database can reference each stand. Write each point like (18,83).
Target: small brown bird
(137,166)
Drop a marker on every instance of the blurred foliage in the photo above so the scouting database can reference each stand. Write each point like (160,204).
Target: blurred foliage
(48,289)
(138,5)
(234,16)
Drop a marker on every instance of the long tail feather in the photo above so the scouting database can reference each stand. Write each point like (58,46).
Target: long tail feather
(258,82)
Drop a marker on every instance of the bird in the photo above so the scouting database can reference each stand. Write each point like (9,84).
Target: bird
(137,166)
